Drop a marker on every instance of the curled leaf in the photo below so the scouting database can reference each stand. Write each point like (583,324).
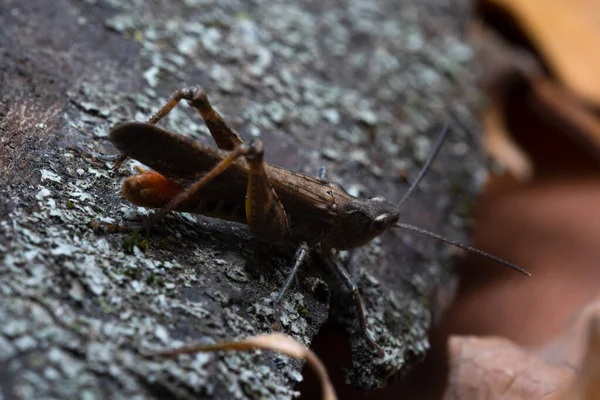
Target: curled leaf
(566,34)
(574,114)
(502,147)
(539,66)
(273,341)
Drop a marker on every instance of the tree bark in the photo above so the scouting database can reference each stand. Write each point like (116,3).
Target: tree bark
(360,87)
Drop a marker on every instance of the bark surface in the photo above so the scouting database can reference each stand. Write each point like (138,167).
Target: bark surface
(360,87)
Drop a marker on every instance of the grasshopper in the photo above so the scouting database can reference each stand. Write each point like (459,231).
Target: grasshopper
(234,183)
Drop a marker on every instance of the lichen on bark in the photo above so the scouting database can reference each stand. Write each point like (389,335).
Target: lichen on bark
(359,87)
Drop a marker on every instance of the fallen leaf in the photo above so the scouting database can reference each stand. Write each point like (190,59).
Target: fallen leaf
(488,368)
(503,67)
(587,384)
(565,368)
(577,117)
(567,35)
(509,36)
(499,144)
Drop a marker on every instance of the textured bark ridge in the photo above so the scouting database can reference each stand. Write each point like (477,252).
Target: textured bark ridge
(360,87)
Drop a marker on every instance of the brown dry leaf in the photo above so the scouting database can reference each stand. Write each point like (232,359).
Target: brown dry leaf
(567,35)
(568,40)
(566,368)
(546,99)
(487,368)
(500,145)
(502,63)
(569,109)
(587,384)
(273,341)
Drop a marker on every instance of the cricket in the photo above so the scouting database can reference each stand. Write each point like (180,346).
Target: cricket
(234,183)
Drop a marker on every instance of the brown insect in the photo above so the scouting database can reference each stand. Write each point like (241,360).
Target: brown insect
(235,184)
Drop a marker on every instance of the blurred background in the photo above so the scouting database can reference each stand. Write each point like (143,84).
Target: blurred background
(505,336)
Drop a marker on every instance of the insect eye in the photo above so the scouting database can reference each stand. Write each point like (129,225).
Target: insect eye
(381,221)
(384,221)
(381,218)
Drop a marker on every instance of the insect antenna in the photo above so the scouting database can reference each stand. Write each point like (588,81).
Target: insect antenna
(461,246)
(412,188)
(423,171)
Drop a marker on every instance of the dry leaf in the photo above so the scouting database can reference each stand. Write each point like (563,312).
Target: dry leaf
(567,35)
(574,114)
(502,64)
(274,341)
(565,368)
(551,228)
(501,146)
(561,33)
(487,368)
(587,384)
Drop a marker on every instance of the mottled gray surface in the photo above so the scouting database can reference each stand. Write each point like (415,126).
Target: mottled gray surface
(359,86)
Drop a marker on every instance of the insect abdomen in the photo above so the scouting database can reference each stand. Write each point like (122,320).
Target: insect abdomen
(152,190)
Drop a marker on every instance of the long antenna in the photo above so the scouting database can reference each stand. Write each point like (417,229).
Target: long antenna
(423,171)
(462,246)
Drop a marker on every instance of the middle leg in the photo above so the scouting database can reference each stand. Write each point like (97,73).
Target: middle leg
(360,307)
(299,258)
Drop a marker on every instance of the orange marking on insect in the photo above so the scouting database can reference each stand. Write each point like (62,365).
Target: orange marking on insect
(150,189)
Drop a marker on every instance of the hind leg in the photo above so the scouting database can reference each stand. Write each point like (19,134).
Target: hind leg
(225,137)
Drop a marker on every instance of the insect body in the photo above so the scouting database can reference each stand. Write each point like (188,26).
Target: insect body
(234,183)
(316,211)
